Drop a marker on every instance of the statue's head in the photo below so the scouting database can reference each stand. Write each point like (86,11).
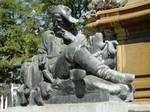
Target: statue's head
(64,19)
(62,13)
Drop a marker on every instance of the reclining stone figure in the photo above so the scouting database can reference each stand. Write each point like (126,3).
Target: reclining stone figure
(77,54)
(66,58)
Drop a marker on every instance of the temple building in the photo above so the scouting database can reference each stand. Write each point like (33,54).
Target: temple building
(131,25)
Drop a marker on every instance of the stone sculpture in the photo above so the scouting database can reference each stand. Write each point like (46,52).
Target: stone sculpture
(68,64)
(106,4)
(98,5)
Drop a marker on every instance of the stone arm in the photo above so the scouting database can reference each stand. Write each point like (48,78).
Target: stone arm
(111,46)
(51,44)
(66,35)
(47,55)
(109,53)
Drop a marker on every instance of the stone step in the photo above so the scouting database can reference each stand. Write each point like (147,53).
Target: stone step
(85,107)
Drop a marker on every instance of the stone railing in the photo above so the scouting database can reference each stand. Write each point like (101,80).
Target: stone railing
(8,97)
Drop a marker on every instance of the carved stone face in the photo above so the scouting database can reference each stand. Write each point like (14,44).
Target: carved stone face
(60,11)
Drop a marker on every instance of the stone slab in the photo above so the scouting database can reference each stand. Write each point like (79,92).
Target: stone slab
(85,107)
(93,96)
(97,96)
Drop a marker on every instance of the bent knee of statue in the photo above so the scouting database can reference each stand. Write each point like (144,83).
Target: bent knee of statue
(77,74)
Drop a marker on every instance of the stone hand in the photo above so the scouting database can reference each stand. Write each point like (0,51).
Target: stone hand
(42,66)
(66,35)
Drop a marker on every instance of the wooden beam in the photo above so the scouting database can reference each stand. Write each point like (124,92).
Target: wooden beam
(142,83)
(142,100)
(142,94)
(134,58)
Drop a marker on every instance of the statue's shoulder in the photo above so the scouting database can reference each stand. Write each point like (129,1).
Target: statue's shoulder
(48,34)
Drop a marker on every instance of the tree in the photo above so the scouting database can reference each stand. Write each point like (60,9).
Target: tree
(19,34)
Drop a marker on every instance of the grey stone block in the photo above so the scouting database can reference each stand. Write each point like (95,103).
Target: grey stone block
(96,96)
(84,107)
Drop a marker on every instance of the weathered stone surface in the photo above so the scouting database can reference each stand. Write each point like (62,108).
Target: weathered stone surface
(97,96)
(85,107)
(93,65)
(94,96)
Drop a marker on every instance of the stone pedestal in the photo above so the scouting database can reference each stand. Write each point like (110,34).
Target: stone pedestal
(96,96)
(93,96)
(84,107)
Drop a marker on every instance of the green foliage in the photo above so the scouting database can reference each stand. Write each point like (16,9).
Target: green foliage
(24,45)
(18,41)
(4,68)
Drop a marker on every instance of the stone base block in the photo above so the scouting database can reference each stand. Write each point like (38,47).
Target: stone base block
(97,96)
(84,107)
